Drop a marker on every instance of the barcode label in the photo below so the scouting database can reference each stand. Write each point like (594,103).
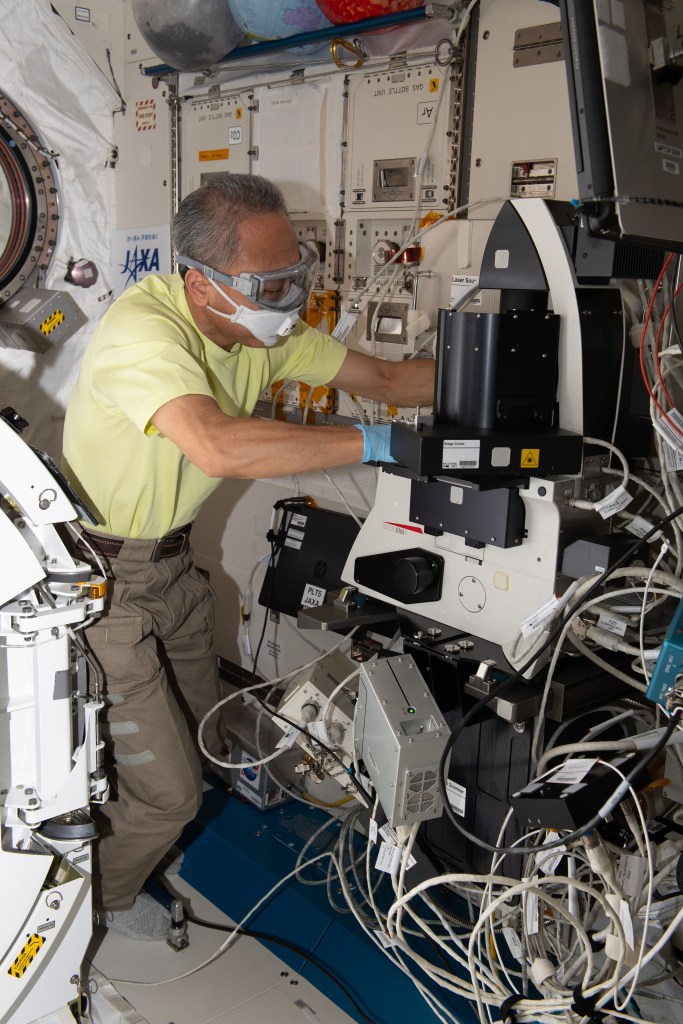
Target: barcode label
(460,454)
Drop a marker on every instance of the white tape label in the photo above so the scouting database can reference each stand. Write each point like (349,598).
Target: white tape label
(345,325)
(319,732)
(312,596)
(514,944)
(639,526)
(573,771)
(615,501)
(671,429)
(539,618)
(457,797)
(613,623)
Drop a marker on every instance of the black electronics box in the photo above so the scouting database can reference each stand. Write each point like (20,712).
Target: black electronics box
(572,795)
(315,545)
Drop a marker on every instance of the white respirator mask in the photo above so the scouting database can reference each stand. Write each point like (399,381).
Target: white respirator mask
(267,325)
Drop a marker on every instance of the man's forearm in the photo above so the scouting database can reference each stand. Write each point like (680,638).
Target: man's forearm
(413,384)
(253,448)
(409,382)
(249,448)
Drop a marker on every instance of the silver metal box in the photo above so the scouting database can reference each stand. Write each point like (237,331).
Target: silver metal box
(400,736)
(36,318)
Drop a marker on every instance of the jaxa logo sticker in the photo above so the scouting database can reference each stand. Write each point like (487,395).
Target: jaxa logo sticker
(137,252)
(140,261)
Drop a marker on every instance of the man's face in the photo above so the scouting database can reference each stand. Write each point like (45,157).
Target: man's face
(268,242)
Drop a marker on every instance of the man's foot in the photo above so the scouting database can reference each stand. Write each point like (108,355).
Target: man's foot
(146,920)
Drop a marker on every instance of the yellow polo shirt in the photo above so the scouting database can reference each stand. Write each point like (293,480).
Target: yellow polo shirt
(147,351)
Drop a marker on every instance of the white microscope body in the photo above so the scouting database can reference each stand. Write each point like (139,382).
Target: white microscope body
(50,752)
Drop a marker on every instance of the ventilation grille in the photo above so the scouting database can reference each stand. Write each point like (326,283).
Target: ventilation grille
(422,791)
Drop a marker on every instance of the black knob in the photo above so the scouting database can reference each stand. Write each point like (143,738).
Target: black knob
(414,574)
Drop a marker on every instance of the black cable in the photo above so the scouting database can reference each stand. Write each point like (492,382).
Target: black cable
(115,83)
(502,686)
(288,944)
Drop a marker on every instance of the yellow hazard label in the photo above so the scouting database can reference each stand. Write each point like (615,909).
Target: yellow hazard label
(27,955)
(52,321)
(530,458)
(238,113)
(213,154)
(434,84)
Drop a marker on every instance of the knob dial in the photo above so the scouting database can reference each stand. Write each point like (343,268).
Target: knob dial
(414,574)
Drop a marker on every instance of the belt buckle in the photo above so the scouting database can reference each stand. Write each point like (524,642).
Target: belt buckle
(156,551)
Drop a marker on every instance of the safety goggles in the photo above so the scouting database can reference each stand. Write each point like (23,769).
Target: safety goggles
(284,290)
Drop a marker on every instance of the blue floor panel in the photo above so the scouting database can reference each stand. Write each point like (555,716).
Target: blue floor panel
(234,854)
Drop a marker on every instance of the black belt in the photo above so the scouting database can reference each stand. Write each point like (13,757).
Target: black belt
(172,544)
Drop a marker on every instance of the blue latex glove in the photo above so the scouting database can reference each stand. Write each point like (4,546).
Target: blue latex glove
(375,443)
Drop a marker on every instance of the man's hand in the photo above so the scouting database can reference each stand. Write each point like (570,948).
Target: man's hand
(376,443)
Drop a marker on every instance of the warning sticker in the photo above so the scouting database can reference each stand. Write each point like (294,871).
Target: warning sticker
(145,115)
(54,320)
(213,154)
(26,956)
(531,458)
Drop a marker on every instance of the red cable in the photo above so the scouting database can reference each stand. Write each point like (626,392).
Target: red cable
(657,337)
(642,342)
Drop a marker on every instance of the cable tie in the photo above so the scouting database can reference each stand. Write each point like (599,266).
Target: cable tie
(507,1014)
(595,944)
(586,1007)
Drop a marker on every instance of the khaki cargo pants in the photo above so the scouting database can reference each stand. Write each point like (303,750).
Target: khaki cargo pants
(154,645)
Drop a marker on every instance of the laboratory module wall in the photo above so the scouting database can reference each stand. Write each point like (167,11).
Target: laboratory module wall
(141,159)
(69,101)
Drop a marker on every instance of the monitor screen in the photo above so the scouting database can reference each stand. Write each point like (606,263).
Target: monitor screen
(625,71)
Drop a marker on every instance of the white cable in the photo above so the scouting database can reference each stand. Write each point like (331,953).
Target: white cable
(341,494)
(246,605)
(249,689)
(662,552)
(639,482)
(304,414)
(234,934)
(337,689)
(275,398)
(82,539)
(627,744)
(661,578)
(594,505)
(615,451)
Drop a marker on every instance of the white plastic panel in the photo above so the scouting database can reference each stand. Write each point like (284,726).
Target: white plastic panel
(216,136)
(298,134)
(393,114)
(521,113)
(143,177)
